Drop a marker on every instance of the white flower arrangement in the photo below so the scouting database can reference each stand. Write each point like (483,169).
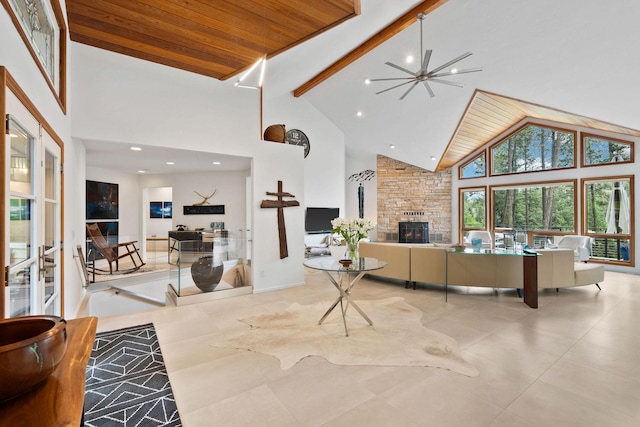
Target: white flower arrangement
(352,230)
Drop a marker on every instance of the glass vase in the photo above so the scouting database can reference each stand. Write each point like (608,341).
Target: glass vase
(352,251)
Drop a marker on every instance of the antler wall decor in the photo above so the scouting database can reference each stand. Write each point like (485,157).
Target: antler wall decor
(205,199)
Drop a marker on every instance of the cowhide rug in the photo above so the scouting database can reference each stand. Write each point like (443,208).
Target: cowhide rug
(397,337)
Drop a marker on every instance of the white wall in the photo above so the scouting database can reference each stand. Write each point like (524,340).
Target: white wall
(15,57)
(116,98)
(229,191)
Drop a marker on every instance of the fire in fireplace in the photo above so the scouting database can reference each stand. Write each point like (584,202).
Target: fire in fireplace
(413,232)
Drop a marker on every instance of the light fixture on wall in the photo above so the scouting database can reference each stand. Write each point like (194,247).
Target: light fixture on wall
(262,62)
(422,75)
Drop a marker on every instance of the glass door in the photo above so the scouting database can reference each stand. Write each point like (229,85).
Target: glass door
(33,223)
(22,263)
(50,254)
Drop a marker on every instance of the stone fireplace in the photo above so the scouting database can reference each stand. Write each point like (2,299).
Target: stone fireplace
(407,193)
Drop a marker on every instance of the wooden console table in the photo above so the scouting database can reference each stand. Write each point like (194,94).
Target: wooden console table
(59,401)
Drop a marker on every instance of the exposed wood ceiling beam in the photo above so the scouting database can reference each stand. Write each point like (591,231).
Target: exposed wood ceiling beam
(426,7)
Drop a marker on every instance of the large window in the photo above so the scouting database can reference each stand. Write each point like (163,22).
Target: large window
(608,208)
(474,205)
(598,150)
(535,207)
(475,168)
(533,148)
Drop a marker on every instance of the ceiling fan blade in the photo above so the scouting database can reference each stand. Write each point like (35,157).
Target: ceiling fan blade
(400,68)
(450,73)
(393,87)
(446,82)
(392,78)
(453,61)
(425,61)
(431,94)
(409,90)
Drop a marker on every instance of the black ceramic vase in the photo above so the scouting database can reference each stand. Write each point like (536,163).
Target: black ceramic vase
(206,274)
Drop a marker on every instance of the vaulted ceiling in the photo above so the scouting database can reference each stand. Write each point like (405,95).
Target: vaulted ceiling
(214,38)
(546,71)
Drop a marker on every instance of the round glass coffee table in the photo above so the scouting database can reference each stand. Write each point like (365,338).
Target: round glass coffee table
(339,276)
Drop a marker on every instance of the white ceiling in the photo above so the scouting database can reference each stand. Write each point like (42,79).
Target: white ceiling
(153,160)
(579,56)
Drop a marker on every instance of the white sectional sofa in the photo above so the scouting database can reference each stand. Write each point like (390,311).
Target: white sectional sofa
(430,264)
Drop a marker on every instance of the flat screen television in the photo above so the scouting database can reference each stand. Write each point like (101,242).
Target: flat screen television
(318,220)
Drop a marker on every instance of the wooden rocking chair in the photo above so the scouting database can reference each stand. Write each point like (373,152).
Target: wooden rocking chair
(112,252)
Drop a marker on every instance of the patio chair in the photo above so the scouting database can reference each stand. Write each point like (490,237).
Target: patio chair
(581,246)
(113,253)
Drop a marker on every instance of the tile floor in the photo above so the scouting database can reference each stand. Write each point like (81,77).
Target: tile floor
(572,362)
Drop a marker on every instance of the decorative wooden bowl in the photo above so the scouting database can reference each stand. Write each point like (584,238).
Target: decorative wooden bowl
(275,133)
(31,347)
(345,262)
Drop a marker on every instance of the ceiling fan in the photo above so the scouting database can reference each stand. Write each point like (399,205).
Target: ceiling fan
(422,75)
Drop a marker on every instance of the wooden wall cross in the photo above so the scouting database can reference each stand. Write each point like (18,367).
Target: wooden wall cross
(280,204)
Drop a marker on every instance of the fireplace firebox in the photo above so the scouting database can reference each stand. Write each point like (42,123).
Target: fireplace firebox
(413,232)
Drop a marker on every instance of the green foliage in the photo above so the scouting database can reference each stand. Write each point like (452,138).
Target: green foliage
(474,207)
(534,148)
(522,208)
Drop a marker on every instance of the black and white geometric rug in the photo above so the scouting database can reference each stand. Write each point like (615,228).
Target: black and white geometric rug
(127,383)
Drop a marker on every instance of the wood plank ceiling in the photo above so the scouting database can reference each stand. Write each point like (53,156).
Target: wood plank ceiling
(214,38)
(489,114)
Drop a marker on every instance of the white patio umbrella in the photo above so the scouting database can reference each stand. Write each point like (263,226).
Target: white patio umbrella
(618,212)
(617,217)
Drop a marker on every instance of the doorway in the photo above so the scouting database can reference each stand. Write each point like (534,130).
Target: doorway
(32,241)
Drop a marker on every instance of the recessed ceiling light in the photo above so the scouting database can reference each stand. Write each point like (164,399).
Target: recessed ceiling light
(392,146)
(136,148)
(170,163)
(454,70)
(433,157)
(216,163)
(409,59)
(142,171)
(367,81)
(359,114)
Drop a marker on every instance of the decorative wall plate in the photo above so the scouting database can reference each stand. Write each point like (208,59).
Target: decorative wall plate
(297,137)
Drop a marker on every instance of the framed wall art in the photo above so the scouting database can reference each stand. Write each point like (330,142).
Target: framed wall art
(42,27)
(160,210)
(102,200)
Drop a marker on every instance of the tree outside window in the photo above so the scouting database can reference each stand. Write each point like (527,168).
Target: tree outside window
(602,151)
(534,148)
(475,168)
(535,207)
